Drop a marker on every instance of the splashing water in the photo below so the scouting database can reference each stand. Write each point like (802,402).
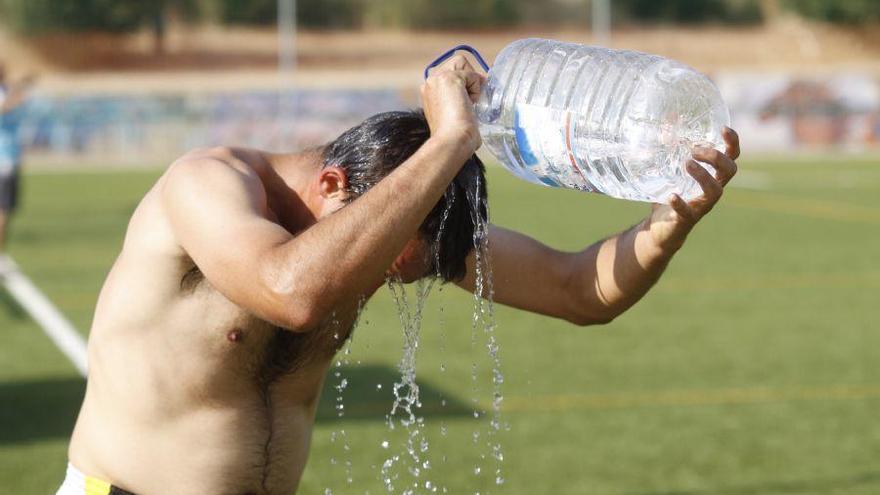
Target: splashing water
(406,391)
(435,246)
(444,430)
(484,315)
(340,386)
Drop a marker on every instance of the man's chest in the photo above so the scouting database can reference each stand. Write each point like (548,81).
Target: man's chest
(231,338)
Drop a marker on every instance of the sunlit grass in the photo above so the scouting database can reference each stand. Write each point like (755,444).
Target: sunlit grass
(751,368)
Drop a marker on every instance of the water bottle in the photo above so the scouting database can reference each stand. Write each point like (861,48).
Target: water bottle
(615,122)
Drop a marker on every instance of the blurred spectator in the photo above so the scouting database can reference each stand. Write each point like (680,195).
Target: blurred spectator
(13,96)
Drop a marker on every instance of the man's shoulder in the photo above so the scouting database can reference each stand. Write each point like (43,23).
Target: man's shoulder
(204,169)
(217,157)
(227,154)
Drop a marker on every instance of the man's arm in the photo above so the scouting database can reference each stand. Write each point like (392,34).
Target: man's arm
(218,213)
(597,284)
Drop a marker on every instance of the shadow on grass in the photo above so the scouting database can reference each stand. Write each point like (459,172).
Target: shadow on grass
(46,408)
(39,409)
(364,400)
(793,486)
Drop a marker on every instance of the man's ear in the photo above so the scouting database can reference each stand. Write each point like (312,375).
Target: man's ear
(332,183)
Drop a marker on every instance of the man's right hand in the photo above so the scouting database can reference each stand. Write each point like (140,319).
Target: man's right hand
(448,98)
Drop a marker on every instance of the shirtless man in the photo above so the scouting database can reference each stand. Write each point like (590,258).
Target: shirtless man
(241,273)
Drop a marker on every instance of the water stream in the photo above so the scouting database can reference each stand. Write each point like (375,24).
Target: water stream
(407,468)
(484,316)
(406,395)
(414,461)
(342,363)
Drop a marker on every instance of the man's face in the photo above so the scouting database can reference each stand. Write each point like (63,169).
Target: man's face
(413,263)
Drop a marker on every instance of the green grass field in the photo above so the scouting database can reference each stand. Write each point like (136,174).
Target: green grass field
(752,368)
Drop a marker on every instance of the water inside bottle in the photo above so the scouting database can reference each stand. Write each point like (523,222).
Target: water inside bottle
(614,122)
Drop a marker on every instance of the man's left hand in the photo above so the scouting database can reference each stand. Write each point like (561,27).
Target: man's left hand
(670,224)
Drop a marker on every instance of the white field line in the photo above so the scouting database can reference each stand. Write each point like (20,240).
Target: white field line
(53,323)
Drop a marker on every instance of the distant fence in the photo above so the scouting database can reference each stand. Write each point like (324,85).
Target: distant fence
(137,128)
(772,112)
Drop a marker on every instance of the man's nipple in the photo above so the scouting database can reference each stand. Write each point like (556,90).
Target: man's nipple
(235,335)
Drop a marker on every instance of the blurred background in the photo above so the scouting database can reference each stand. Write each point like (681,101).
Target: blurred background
(751,368)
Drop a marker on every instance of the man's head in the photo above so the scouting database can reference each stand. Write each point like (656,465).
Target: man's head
(371,150)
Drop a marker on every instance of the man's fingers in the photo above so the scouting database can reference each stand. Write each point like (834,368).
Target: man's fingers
(457,62)
(459,65)
(724,164)
(474,83)
(731,140)
(683,209)
(470,81)
(712,188)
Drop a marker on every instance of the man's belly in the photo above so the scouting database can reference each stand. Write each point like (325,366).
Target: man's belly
(256,445)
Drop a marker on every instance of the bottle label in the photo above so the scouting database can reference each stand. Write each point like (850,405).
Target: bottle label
(544,138)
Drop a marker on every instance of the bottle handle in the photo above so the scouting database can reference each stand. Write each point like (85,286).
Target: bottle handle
(442,58)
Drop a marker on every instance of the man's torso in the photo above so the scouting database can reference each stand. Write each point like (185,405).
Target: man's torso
(189,393)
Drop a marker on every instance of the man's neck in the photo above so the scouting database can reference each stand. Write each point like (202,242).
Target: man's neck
(293,189)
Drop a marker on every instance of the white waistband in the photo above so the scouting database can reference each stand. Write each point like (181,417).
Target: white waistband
(74,482)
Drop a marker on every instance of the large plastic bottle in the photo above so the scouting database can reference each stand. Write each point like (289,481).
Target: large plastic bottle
(615,122)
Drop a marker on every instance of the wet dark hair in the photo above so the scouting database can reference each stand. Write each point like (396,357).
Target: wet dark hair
(371,150)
